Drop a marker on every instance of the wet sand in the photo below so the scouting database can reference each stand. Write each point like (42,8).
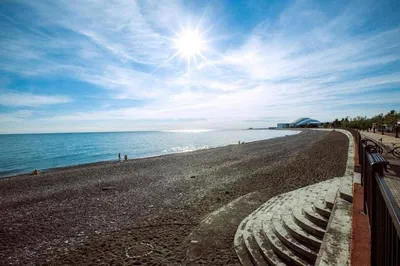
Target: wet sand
(114,213)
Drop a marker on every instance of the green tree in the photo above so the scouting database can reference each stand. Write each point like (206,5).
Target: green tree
(364,123)
(390,118)
(336,123)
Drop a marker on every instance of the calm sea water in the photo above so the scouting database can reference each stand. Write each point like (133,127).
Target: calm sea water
(23,153)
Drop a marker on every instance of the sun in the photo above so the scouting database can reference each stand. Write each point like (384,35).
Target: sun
(189,43)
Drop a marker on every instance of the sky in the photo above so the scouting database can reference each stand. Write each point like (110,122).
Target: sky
(84,66)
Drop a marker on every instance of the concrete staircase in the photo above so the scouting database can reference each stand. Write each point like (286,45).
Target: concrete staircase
(290,228)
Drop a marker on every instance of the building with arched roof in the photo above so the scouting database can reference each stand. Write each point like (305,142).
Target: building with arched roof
(300,122)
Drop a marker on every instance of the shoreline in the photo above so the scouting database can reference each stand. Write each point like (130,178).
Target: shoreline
(46,170)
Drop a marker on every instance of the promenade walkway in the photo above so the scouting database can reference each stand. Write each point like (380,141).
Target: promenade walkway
(386,139)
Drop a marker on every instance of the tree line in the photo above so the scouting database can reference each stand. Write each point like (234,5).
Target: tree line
(388,121)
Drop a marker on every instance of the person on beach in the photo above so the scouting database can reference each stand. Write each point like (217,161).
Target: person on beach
(119,156)
(126,157)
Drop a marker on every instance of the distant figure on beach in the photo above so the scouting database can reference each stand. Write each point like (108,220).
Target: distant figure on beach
(126,157)
(119,156)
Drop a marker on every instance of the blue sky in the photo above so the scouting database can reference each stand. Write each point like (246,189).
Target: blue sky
(72,65)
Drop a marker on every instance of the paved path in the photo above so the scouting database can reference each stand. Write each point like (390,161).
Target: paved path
(387,140)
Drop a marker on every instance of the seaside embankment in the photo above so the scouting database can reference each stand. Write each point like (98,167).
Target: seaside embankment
(142,211)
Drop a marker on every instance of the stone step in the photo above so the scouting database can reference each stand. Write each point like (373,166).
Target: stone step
(331,194)
(310,213)
(280,248)
(321,209)
(272,204)
(299,233)
(267,251)
(321,190)
(249,251)
(252,246)
(336,245)
(307,225)
(287,229)
(299,248)
(265,215)
(242,252)
(346,188)
(240,244)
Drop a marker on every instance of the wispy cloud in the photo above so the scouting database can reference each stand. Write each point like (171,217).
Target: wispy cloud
(17,116)
(16,99)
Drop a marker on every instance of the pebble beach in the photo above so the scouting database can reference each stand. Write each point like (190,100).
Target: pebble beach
(140,212)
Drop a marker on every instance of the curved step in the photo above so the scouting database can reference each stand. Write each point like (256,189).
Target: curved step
(257,248)
(253,248)
(314,217)
(291,242)
(297,232)
(280,249)
(288,228)
(242,252)
(267,251)
(245,246)
(307,225)
(264,246)
(321,209)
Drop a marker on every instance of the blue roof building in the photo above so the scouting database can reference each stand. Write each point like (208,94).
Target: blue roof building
(301,122)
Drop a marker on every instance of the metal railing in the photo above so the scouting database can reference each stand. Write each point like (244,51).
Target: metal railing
(379,204)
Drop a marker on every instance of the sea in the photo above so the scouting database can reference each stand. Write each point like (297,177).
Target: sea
(22,153)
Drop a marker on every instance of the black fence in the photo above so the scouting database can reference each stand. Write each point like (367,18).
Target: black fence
(379,203)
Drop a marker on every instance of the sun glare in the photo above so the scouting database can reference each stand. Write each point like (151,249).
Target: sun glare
(189,43)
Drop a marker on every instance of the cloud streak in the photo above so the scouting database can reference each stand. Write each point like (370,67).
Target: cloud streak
(17,99)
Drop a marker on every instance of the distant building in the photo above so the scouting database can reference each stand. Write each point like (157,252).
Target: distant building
(301,122)
(282,125)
